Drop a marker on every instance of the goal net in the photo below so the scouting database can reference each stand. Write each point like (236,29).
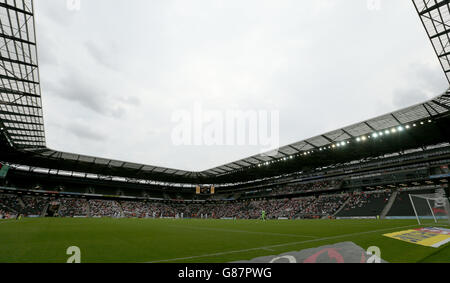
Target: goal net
(431,208)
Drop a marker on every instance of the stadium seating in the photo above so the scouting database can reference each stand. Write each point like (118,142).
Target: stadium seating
(402,205)
(9,204)
(326,205)
(365,204)
(101,208)
(34,205)
(73,207)
(344,204)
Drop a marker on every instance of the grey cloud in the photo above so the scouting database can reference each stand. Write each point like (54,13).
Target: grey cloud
(408,97)
(85,91)
(100,54)
(57,12)
(131,100)
(47,53)
(423,82)
(323,64)
(83,131)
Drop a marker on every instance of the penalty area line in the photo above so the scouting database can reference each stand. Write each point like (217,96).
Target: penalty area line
(281,245)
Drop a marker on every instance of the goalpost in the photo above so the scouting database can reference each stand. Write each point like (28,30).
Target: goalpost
(431,208)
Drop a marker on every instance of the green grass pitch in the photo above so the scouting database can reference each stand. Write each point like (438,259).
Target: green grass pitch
(167,240)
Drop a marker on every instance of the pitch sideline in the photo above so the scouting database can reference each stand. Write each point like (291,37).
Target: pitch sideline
(282,245)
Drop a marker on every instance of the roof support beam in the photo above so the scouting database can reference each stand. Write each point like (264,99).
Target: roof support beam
(441,104)
(20,129)
(19,105)
(19,114)
(21,122)
(17,62)
(16,92)
(435,6)
(3,77)
(15,9)
(13,38)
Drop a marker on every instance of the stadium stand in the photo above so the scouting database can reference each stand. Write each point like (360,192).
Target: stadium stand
(341,205)
(9,204)
(73,207)
(34,205)
(135,209)
(363,204)
(402,205)
(326,205)
(333,174)
(101,208)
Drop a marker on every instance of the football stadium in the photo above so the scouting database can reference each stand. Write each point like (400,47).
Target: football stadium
(374,191)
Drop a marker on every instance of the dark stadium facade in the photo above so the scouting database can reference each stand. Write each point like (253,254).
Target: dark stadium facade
(408,148)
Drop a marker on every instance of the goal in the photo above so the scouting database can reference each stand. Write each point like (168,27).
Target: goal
(431,208)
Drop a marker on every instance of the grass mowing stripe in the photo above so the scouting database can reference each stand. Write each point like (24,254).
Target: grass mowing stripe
(424,260)
(242,231)
(283,245)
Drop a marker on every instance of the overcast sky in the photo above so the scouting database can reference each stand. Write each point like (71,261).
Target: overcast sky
(114,72)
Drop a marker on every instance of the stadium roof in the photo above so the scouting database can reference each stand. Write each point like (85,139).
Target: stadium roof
(20,95)
(427,110)
(21,120)
(435,16)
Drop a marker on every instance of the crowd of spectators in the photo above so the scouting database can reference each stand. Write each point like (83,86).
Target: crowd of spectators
(9,204)
(326,205)
(73,207)
(250,209)
(5,214)
(102,208)
(34,205)
(359,200)
(304,187)
(135,209)
(290,208)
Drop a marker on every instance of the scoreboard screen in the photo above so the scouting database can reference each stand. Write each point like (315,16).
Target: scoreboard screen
(205,190)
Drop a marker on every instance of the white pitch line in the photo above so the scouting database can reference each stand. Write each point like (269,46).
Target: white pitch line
(243,231)
(282,245)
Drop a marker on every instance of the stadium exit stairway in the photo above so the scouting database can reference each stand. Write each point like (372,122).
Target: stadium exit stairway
(87,209)
(44,210)
(389,204)
(122,213)
(342,207)
(21,203)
